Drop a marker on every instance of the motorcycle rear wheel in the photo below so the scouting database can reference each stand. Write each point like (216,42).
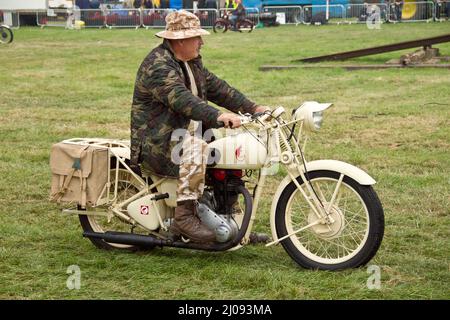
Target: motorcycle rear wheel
(127,187)
(349,242)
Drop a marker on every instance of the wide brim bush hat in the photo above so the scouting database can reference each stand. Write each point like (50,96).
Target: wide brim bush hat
(182,25)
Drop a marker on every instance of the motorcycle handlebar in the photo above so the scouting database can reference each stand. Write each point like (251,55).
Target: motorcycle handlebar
(221,124)
(244,119)
(257,115)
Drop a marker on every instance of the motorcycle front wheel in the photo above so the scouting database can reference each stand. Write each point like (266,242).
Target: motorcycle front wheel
(220,26)
(352,237)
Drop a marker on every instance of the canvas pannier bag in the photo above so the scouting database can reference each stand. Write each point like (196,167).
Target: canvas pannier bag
(79,173)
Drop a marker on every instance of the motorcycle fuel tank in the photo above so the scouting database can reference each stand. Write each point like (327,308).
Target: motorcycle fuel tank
(240,151)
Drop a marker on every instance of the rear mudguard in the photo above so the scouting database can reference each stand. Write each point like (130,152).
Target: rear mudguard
(332,165)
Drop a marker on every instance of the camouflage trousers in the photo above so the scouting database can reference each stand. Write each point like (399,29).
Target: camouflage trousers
(191,181)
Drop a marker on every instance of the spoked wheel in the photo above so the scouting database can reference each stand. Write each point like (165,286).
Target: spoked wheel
(127,187)
(220,26)
(6,34)
(349,240)
(245,26)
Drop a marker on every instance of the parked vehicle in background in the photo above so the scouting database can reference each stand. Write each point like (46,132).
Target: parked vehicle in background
(23,12)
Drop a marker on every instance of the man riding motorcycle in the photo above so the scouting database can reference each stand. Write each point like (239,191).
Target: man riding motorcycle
(238,13)
(171,90)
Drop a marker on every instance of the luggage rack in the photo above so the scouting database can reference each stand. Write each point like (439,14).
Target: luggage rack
(119,148)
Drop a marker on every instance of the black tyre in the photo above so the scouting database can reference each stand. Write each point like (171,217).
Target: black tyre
(220,26)
(6,34)
(245,26)
(349,242)
(127,187)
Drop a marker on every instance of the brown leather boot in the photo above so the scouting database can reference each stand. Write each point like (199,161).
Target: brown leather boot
(187,223)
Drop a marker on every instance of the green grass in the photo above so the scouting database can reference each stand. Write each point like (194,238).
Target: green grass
(59,84)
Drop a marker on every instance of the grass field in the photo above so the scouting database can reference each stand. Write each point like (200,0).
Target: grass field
(395,124)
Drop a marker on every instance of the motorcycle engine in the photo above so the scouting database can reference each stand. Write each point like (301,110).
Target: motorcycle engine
(224,226)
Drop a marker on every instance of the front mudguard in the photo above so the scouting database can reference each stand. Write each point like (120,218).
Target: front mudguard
(332,165)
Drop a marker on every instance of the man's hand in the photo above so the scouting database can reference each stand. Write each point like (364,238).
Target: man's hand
(230,120)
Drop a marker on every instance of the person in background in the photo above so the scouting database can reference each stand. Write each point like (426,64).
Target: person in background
(363,14)
(94,4)
(201,4)
(398,4)
(446,4)
(230,4)
(164,4)
(148,4)
(211,4)
(137,4)
(237,14)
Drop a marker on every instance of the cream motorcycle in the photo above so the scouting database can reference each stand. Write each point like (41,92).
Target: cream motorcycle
(324,213)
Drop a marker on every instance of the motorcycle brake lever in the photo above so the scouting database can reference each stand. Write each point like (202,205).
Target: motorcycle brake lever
(256,115)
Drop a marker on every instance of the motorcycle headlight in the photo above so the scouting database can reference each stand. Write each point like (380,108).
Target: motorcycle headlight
(317,119)
(311,113)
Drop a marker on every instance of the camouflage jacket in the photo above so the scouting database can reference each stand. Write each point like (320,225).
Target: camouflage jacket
(163,102)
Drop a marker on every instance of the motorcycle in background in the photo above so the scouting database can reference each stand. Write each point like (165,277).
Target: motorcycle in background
(224,24)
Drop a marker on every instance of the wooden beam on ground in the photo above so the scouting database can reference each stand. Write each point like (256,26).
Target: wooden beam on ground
(426,42)
(354,67)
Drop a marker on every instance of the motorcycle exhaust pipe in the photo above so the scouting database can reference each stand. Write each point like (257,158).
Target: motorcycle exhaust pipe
(125,238)
(150,242)
(144,241)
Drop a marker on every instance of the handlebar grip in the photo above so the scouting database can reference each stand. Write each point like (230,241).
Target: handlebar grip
(219,124)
